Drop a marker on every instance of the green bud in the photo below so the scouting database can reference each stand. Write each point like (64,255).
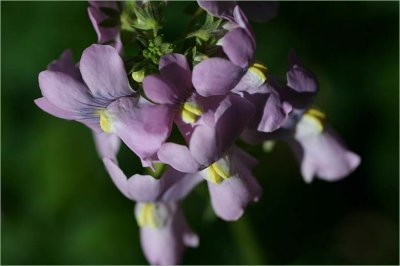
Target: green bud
(138,76)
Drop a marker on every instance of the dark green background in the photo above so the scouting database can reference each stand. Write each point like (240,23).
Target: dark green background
(60,207)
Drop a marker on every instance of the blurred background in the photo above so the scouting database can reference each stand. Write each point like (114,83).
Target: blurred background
(60,207)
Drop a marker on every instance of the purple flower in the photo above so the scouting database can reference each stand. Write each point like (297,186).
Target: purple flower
(101,12)
(216,121)
(320,151)
(101,98)
(164,232)
(231,185)
(107,145)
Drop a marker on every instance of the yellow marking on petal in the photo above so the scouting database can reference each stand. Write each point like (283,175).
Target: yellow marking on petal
(188,117)
(105,121)
(147,215)
(317,117)
(218,171)
(190,112)
(213,176)
(260,70)
(193,108)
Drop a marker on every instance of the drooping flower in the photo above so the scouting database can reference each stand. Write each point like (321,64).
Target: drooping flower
(104,16)
(101,98)
(231,185)
(217,121)
(164,232)
(319,150)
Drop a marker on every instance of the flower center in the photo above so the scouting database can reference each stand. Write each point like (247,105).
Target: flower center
(311,123)
(190,112)
(317,118)
(151,214)
(105,121)
(259,70)
(218,171)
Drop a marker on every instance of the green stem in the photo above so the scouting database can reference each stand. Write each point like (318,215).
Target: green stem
(250,249)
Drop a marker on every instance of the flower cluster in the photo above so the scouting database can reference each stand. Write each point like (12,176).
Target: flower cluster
(209,85)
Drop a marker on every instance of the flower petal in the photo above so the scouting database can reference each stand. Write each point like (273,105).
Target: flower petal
(66,65)
(65,92)
(218,8)
(179,157)
(232,116)
(50,108)
(275,113)
(175,69)
(165,246)
(178,185)
(299,78)
(216,76)
(324,155)
(158,90)
(104,34)
(107,145)
(142,188)
(239,47)
(141,125)
(104,73)
(230,198)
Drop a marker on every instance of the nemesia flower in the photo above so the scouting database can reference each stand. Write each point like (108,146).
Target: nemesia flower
(231,185)
(101,12)
(107,145)
(319,150)
(103,100)
(164,232)
(214,120)
(226,97)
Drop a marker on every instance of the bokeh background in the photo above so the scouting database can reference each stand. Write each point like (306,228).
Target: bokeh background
(60,207)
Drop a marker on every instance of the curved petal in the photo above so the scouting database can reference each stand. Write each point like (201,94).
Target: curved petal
(175,69)
(107,145)
(298,77)
(239,47)
(232,117)
(275,113)
(241,20)
(204,146)
(178,184)
(118,177)
(65,92)
(142,126)
(218,8)
(66,65)
(141,188)
(50,108)
(97,16)
(324,155)
(216,76)
(179,157)
(159,91)
(104,73)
